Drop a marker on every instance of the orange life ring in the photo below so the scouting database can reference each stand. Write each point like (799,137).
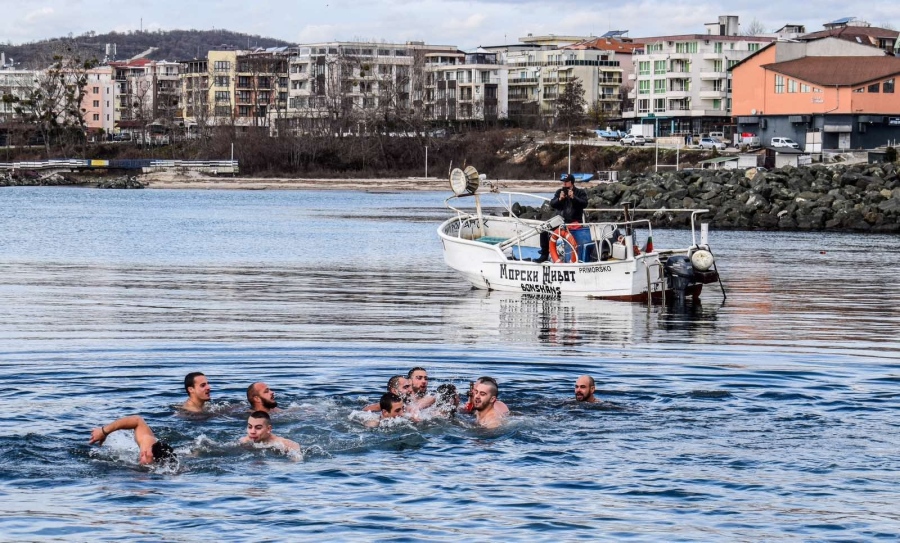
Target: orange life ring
(569,238)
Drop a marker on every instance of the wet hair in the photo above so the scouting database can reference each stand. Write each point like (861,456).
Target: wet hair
(162,451)
(446,392)
(251,394)
(394,382)
(189,379)
(261,415)
(412,371)
(491,382)
(388,399)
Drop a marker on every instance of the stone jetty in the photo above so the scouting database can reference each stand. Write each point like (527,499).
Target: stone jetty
(862,198)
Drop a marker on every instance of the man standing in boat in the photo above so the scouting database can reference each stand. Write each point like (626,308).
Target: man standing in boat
(570,201)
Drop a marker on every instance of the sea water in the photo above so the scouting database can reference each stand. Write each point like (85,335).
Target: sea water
(769,415)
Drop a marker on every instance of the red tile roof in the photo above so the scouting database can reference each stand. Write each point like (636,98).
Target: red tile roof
(606,44)
(838,71)
(867,34)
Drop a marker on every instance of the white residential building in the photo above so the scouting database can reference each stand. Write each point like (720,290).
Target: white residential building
(682,84)
(465,87)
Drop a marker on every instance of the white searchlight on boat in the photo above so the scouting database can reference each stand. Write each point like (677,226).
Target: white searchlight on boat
(702,260)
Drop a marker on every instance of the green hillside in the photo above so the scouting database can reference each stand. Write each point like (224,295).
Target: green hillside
(169,44)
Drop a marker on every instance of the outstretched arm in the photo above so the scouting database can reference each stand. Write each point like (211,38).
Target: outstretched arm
(143,435)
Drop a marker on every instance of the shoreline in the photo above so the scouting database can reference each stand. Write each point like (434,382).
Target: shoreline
(167,180)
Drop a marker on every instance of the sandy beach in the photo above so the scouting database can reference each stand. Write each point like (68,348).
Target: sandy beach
(194,180)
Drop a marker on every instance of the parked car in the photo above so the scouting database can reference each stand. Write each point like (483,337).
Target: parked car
(632,139)
(712,143)
(785,142)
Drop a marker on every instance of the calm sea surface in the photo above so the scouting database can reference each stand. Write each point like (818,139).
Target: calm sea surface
(771,416)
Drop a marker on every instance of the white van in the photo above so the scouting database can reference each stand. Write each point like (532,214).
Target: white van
(717,135)
(785,142)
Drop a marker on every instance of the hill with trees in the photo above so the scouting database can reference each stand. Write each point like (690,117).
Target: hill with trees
(166,45)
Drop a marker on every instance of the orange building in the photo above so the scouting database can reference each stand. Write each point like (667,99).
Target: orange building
(828,94)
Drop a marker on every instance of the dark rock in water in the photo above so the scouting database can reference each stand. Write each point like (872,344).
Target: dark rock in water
(124,182)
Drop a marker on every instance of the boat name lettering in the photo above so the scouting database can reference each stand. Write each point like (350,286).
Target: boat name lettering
(595,269)
(530,276)
(545,276)
(558,276)
(548,290)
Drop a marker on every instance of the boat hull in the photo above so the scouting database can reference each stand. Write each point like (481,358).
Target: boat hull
(486,266)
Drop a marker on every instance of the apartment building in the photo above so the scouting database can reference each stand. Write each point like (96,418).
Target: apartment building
(682,84)
(465,87)
(18,84)
(244,89)
(858,31)
(146,92)
(828,93)
(99,103)
(357,86)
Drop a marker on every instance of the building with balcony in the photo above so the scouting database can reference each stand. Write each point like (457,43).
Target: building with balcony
(146,92)
(682,84)
(537,78)
(824,94)
(358,87)
(465,87)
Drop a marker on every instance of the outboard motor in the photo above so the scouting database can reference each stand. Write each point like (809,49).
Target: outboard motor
(680,272)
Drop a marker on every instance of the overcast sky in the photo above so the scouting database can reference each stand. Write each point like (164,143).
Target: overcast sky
(466,24)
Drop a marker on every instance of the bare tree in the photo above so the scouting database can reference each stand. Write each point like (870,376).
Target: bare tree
(53,105)
(570,104)
(755,28)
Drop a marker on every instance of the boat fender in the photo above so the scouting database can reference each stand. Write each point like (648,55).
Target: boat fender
(558,240)
(702,260)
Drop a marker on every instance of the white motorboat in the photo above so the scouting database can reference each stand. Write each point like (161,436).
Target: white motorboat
(599,259)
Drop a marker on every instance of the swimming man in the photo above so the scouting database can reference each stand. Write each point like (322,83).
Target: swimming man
(152,450)
(198,390)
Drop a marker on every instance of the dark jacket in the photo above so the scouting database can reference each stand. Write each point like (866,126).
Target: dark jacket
(571,209)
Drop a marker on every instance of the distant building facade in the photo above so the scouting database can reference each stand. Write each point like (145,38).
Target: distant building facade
(824,94)
(682,84)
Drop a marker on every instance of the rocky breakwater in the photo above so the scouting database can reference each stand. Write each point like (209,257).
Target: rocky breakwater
(34,179)
(863,198)
(122,182)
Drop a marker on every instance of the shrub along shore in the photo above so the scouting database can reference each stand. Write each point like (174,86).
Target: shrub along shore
(861,198)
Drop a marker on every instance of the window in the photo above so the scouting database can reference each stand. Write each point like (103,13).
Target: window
(243,111)
(686,47)
(96,116)
(860,90)
(659,67)
(643,105)
(753,47)
(717,47)
(96,103)
(96,90)
(659,105)
(244,96)
(792,85)
(221,81)
(888,86)
(717,66)
(644,67)
(644,87)
(659,86)
(732,63)
(223,96)
(222,66)
(804,87)
(779,84)
(874,87)
(717,104)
